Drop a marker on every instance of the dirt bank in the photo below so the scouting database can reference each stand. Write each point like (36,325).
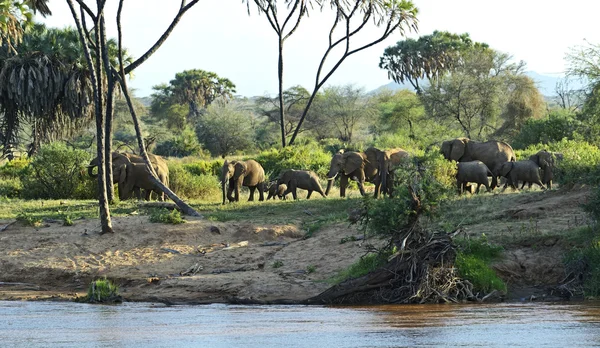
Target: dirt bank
(207,262)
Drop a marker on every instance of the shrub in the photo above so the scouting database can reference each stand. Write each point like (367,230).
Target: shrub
(558,125)
(167,217)
(188,185)
(584,263)
(10,187)
(185,144)
(29,220)
(15,168)
(57,171)
(103,290)
(363,266)
(205,167)
(310,156)
(472,261)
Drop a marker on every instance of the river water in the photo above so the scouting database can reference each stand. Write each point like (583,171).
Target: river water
(63,324)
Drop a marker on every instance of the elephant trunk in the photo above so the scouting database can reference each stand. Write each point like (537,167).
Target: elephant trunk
(91,166)
(224,179)
(329,185)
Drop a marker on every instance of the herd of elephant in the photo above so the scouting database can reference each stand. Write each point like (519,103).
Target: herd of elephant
(476,162)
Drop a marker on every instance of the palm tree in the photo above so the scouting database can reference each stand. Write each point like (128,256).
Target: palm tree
(17,15)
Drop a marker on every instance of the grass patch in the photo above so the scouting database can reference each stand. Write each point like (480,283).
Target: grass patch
(166,217)
(311,269)
(29,220)
(363,266)
(472,261)
(277,264)
(102,291)
(56,209)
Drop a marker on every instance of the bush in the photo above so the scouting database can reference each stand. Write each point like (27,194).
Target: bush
(10,187)
(306,157)
(584,263)
(205,167)
(167,217)
(472,261)
(188,185)
(185,144)
(103,290)
(58,171)
(558,125)
(431,175)
(363,266)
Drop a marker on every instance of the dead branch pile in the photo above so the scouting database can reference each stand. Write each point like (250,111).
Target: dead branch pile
(421,271)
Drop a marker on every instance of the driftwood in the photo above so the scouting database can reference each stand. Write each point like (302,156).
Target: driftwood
(421,271)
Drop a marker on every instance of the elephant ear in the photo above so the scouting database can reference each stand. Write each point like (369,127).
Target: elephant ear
(506,168)
(458,149)
(240,169)
(535,158)
(351,162)
(122,174)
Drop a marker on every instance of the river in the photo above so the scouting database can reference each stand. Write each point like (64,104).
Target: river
(65,324)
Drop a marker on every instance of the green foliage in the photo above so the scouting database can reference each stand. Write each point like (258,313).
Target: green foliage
(166,217)
(592,206)
(277,264)
(182,145)
(433,179)
(310,156)
(225,129)
(29,220)
(204,167)
(10,187)
(103,290)
(559,124)
(67,221)
(586,263)
(311,269)
(188,185)
(58,171)
(477,271)
(472,261)
(364,265)
(15,168)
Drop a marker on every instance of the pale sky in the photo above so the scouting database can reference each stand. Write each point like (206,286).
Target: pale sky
(219,36)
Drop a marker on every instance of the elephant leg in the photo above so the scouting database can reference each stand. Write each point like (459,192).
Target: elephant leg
(251,198)
(459,187)
(309,193)
(343,185)
(524,182)
(238,186)
(261,192)
(477,189)
(293,189)
(230,189)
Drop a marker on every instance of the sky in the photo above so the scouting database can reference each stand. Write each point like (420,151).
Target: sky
(220,36)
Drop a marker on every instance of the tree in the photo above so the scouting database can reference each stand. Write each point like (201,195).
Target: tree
(294,101)
(196,89)
(347,109)
(430,57)
(104,77)
(224,129)
(46,87)
(352,17)
(584,63)
(475,94)
(400,109)
(297,9)
(16,16)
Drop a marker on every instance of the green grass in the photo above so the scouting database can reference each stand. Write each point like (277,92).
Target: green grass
(57,209)
(166,217)
(103,290)
(477,271)
(277,264)
(363,266)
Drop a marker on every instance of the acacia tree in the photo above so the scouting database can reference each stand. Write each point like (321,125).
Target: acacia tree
(294,101)
(297,9)
(346,109)
(104,78)
(351,17)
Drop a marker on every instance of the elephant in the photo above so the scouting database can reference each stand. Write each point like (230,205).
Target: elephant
(492,153)
(134,175)
(275,190)
(364,166)
(547,161)
(242,173)
(526,170)
(158,163)
(474,172)
(303,179)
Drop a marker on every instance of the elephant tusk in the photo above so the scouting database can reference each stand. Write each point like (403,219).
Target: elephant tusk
(332,178)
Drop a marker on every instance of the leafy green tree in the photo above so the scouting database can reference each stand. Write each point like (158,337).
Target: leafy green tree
(429,57)
(346,110)
(400,109)
(560,124)
(224,129)
(182,145)
(294,102)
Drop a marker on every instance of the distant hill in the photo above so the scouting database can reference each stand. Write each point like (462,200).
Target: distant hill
(545,83)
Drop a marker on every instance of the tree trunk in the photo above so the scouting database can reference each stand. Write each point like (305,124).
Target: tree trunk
(110,191)
(280,77)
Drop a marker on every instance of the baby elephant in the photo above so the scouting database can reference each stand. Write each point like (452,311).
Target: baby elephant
(275,190)
(475,172)
(303,179)
(521,171)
